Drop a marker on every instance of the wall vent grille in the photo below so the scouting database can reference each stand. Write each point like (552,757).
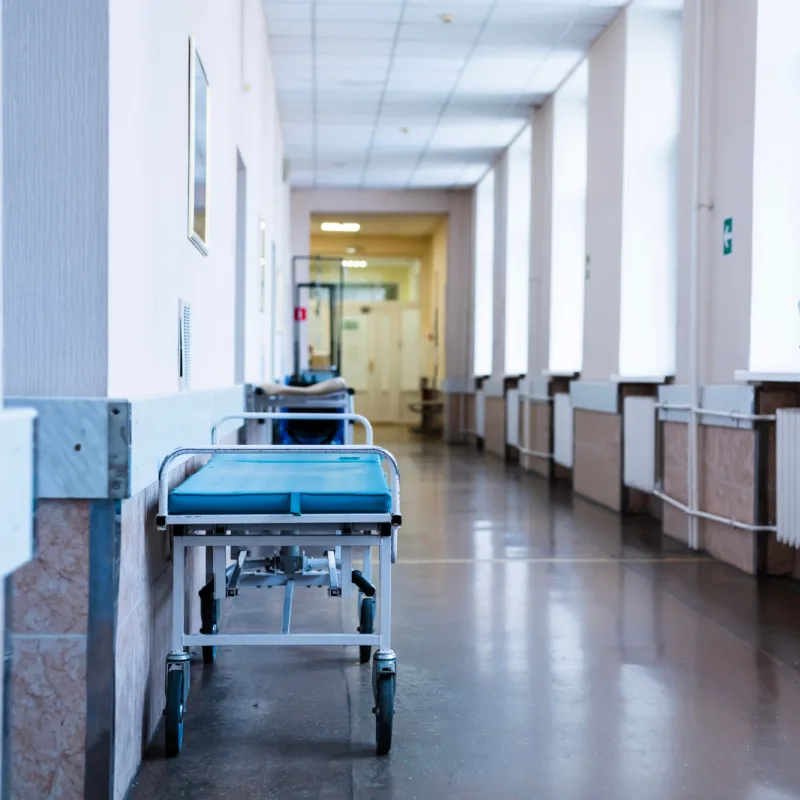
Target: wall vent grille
(185,347)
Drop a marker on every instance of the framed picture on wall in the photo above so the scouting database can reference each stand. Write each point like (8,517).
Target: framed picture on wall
(198,150)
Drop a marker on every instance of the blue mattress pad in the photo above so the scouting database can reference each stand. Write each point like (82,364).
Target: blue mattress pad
(285,483)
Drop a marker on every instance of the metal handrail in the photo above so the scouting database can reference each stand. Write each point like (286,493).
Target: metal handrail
(290,415)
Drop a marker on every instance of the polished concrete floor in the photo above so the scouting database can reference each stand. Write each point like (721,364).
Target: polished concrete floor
(547,650)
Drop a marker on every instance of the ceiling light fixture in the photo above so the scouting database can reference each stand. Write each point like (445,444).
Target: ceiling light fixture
(340,227)
(351,264)
(446,18)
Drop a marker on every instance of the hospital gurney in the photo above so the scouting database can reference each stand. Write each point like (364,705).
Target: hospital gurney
(329,396)
(284,497)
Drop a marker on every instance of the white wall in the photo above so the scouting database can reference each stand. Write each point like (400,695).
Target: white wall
(152,263)
(604,202)
(55,205)
(727,143)
(456,204)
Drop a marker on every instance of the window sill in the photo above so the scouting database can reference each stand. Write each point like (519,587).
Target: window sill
(746,376)
(556,374)
(640,378)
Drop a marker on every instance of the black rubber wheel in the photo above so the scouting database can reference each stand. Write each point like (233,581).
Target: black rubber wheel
(210,651)
(384,714)
(366,625)
(173,727)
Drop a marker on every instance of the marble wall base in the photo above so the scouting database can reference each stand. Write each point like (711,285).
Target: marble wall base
(597,469)
(49,621)
(495,432)
(727,459)
(539,420)
(144,626)
(459,416)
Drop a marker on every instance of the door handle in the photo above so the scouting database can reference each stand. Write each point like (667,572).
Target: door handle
(371,366)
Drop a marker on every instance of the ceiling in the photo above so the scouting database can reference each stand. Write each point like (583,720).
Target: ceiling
(384,94)
(380,224)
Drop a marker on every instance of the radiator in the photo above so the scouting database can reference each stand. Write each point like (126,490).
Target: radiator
(480,413)
(564,430)
(787,453)
(512,417)
(639,443)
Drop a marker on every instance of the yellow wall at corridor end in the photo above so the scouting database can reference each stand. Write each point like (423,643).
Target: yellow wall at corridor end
(430,249)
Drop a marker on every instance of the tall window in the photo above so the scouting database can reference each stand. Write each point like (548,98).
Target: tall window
(568,243)
(774,318)
(484,275)
(518,253)
(650,193)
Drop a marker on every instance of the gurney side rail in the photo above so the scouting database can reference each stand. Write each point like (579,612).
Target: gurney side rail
(269,415)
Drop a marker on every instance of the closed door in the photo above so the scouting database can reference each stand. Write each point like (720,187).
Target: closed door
(358,358)
(380,358)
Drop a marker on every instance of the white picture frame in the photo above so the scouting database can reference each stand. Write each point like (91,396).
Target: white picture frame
(199,150)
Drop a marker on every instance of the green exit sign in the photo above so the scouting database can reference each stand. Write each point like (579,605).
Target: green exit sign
(727,236)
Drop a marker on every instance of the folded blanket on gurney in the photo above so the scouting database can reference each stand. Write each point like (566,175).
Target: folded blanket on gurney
(330,386)
(285,483)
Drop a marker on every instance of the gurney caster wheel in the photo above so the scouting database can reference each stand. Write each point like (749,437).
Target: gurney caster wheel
(173,727)
(366,625)
(210,653)
(384,713)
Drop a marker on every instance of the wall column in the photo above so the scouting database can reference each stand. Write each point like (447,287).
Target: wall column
(493,388)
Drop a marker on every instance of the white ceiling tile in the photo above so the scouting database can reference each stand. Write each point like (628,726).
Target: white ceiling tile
(371,63)
(430,14)
(406,48)
(288,10)
(358,12)
(338,47)
(289,27)
(472,174)
(302,180)
(422,82)
(384,145)
(452,136)
(360,2)
(354,32)
(282,61)
(436,32)
(290,44)
(432,61)
(456,4)
(337,180)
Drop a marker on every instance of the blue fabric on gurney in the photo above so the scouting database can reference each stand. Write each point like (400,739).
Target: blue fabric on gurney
(287,483)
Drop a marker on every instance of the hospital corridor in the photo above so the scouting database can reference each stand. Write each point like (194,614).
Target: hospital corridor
(400,399)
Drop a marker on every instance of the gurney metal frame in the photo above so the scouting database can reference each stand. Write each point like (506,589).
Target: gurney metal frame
(339,533)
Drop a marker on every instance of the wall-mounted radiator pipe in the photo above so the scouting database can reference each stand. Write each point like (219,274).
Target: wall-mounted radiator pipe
(710,412)
(692,510)
(696,514)
(529,400)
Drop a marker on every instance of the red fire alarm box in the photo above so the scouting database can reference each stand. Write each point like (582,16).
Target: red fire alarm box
(300,314)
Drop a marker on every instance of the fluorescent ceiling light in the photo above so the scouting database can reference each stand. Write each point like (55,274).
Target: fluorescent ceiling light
(351,264)
(340,227)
